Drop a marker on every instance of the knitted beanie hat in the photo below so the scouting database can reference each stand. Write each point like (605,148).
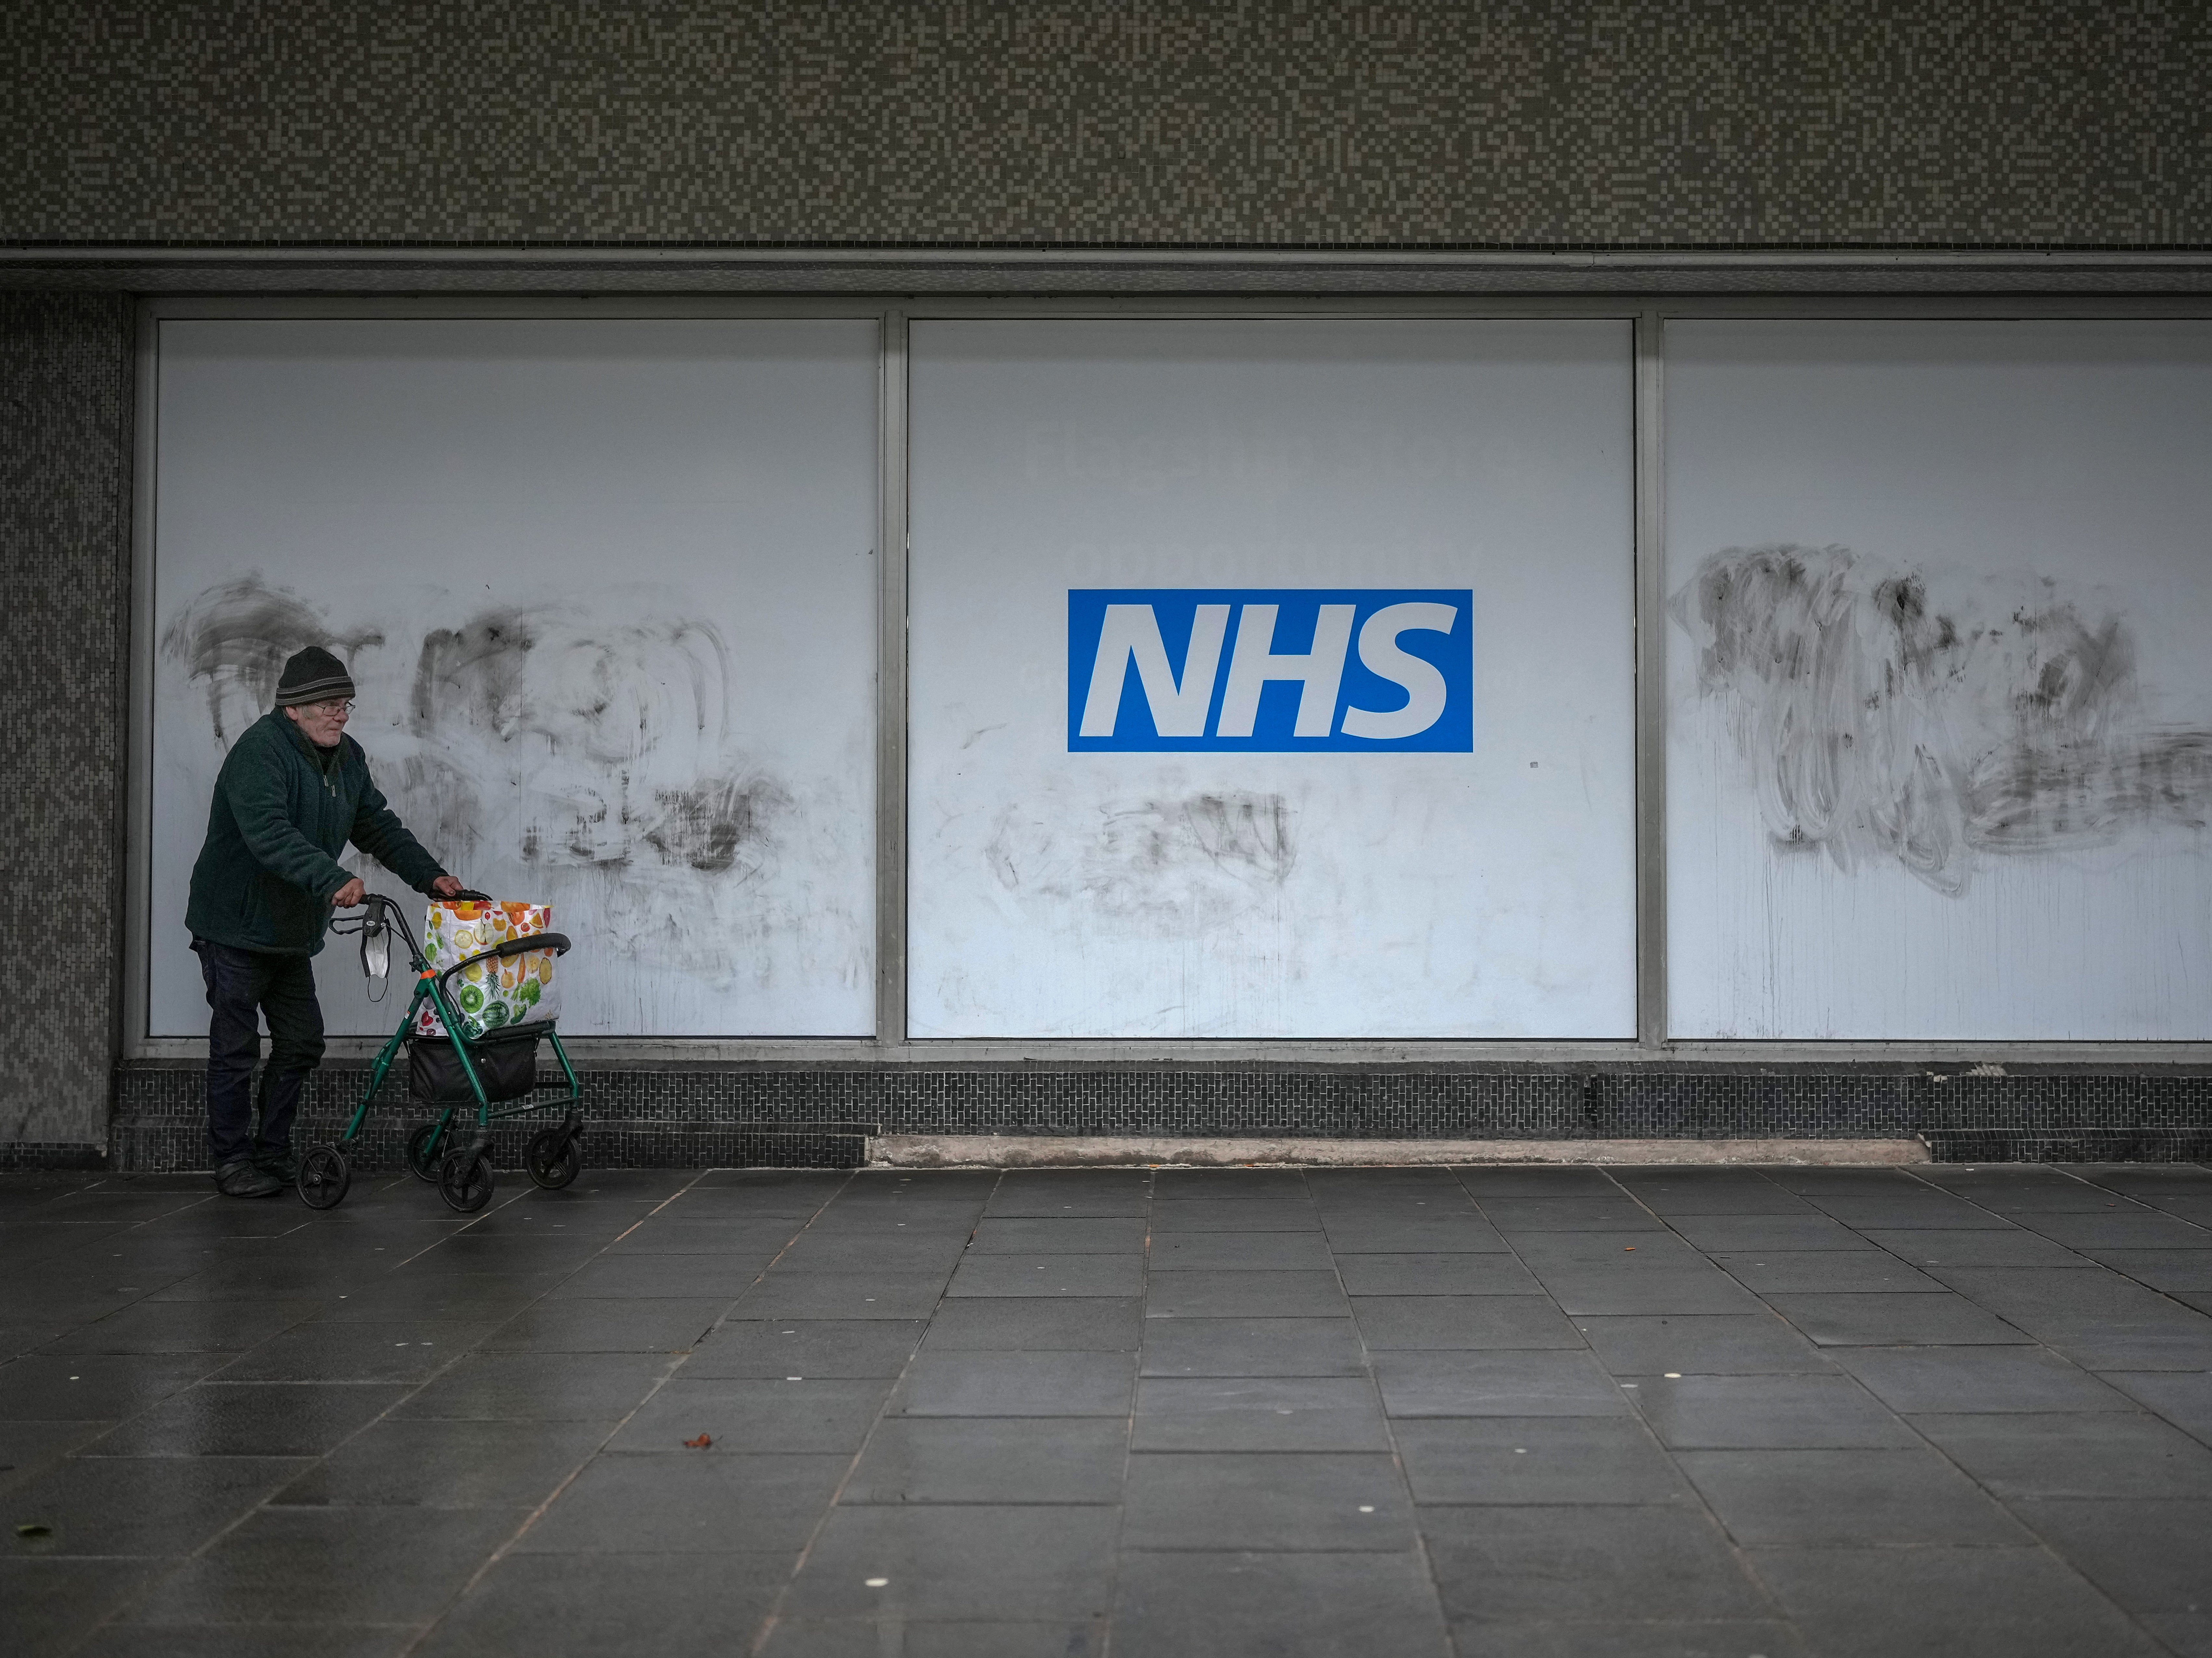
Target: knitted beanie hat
(313,675)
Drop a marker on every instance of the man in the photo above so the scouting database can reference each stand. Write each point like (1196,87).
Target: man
(293,790)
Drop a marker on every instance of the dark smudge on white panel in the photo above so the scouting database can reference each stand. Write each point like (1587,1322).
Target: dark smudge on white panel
(1163,865)
(591,758)
(234,638)
(1885,720)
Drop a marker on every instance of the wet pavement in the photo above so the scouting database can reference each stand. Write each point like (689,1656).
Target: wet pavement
(1512,1413)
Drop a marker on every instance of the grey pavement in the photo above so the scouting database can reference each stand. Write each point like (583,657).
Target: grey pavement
(1497,1411)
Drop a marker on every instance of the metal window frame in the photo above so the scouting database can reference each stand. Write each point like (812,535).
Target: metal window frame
(1646,312)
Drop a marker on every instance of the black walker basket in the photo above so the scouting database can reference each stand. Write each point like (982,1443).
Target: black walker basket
(506,1064)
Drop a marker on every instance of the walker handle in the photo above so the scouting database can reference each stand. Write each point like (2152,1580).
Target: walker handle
(556,943)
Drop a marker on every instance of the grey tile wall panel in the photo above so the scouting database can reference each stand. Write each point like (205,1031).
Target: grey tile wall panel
(1491,123)
(66,366)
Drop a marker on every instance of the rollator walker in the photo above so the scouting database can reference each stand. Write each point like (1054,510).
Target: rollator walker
(497,1069)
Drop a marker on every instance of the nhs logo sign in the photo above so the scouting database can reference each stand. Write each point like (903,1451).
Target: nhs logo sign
(1271,669)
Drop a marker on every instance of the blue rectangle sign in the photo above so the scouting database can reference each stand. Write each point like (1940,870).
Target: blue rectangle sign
(1276,670)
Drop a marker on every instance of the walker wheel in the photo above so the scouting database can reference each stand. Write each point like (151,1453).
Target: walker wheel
(422,1160)
(553,1158)
(324,1177)
(465,1181)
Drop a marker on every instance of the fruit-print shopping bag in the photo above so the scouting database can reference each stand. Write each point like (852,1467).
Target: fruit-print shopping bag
(515,989)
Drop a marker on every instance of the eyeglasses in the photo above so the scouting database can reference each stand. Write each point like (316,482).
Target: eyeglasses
(342,706)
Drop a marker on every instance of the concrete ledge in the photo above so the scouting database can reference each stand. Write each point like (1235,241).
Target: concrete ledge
(1110,1151)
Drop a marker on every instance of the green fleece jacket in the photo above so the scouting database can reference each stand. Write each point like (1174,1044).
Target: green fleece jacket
(283,810)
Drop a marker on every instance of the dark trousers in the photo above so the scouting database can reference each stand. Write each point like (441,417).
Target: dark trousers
(242,985)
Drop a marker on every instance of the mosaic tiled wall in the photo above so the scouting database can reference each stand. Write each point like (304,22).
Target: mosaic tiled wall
(1297,122)
(64,391)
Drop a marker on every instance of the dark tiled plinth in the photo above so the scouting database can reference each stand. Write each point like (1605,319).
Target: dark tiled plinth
(694,1116)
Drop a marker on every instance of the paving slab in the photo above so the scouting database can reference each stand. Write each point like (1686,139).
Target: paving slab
(1463,1323)
(1892,1319)
(1304,1501)
(1505,1564)
(53,1605)
(1656,1412)
(554,1606)
(1497,1383)
(1244,1295)
(1256,1605)
(1038,1324)
(1080,1275)
(1242,1252)
(744,1503)
(2065,1454)
(1258,1413)
(844,1296)
(1714,1345)
(251,1419)
(2184,1397)
(1017,1459)
(345,1565)
(806,1347)
(1537,1459)
(42,1386)
(1947,1603)
(1046,1564)
(2149,1554)
(500,1386)
(1896,1498)
(1246,1215)
(1760,1230)
(1435,1229)
(934,1637)
(1912,1380)
(1747,1412)
(1628,1638)
(985,1384)
(417,1462)
(158,1506)
(1118,1236)
(739,1415)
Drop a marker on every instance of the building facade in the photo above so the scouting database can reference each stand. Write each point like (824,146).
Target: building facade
(1495,572)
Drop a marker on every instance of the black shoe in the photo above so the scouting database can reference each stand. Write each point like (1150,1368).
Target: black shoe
(240,1178)
(281,1162)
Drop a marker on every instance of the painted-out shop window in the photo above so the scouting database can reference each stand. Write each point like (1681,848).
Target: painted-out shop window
(609,591)
(1272,679)
(1939,734)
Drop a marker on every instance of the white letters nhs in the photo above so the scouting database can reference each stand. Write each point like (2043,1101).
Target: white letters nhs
(1276,669)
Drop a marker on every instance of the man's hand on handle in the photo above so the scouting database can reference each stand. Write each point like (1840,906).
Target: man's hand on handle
(347,896)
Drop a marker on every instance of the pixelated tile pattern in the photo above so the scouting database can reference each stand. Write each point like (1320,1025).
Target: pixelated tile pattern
(695,1117)
(64,398)
(1502,123)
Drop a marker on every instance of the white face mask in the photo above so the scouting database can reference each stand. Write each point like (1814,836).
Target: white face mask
(376,956)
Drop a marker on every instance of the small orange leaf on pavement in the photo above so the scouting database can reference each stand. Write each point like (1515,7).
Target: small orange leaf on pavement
(701,1442)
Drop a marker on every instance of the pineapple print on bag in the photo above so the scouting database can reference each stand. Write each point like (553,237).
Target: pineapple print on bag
(517,989)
